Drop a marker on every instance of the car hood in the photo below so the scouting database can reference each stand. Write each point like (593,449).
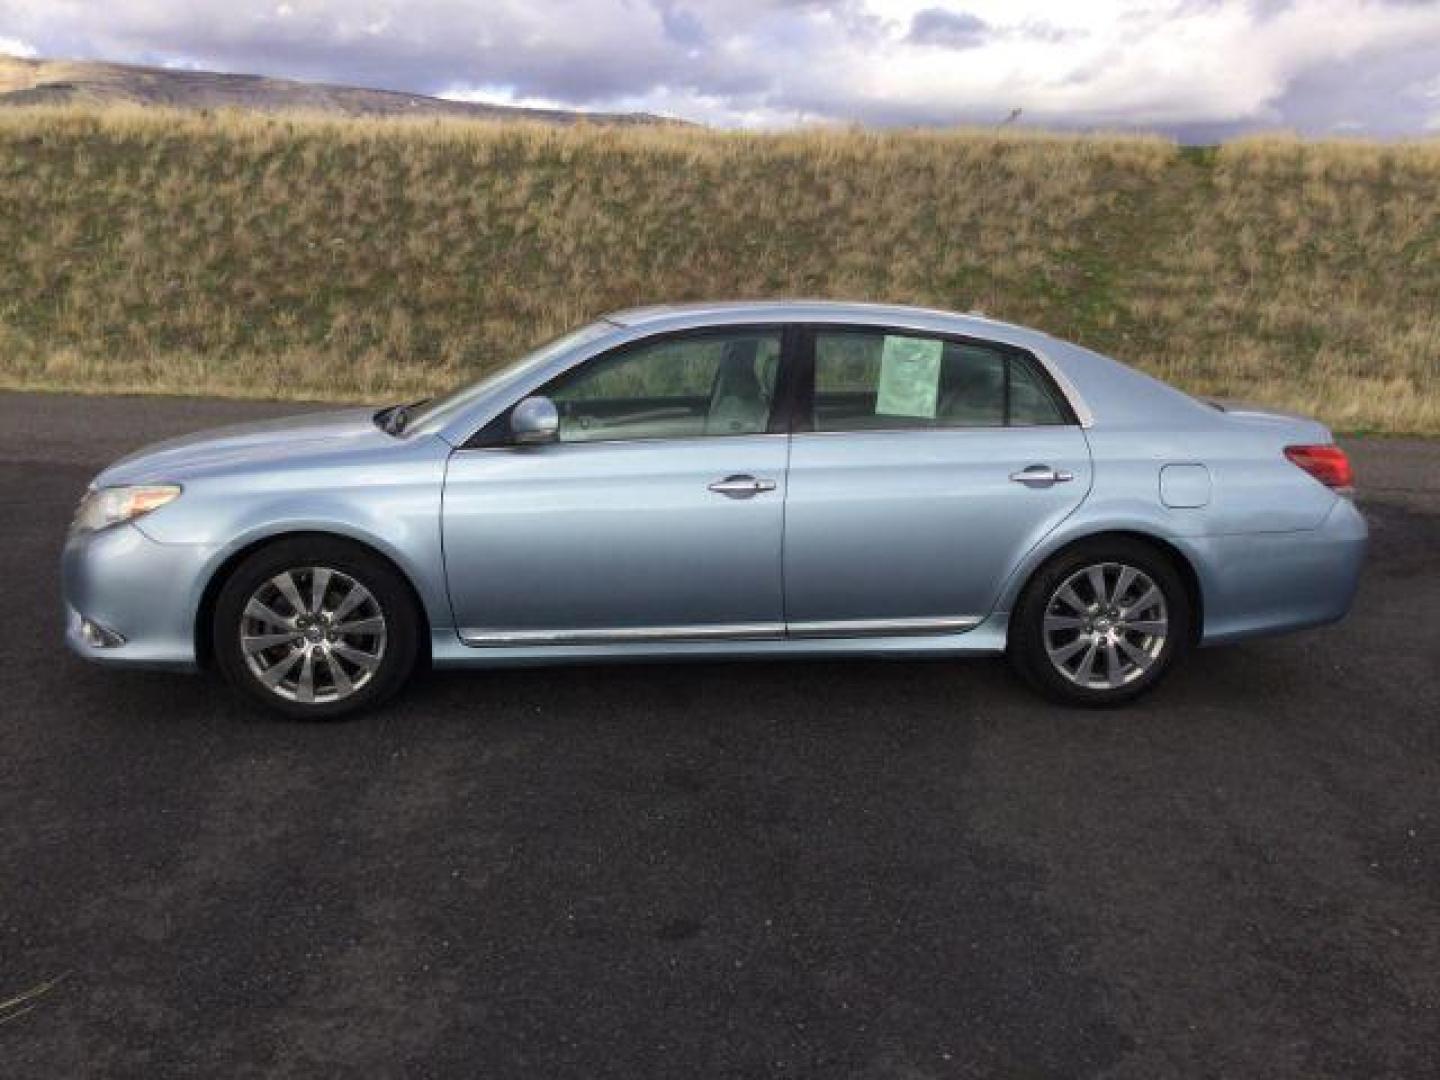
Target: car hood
(240,444)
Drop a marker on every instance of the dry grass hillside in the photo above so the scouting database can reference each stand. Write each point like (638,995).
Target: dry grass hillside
(234,254)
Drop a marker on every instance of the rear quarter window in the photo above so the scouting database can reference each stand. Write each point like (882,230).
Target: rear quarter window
(1032,398)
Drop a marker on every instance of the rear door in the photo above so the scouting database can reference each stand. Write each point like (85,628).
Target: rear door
(921,469)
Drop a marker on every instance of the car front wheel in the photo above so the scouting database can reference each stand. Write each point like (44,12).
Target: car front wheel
(315,628)
(1101,623)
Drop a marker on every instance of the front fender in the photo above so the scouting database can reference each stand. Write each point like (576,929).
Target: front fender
(416,557)
(390,503)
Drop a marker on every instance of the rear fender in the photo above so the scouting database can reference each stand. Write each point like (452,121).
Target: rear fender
(1135,519)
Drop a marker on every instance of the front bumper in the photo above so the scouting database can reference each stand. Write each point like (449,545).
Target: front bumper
(144,591)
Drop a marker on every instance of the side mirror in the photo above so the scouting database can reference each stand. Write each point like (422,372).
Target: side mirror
(534,421)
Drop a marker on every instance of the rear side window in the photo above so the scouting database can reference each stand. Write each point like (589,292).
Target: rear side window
(876,381)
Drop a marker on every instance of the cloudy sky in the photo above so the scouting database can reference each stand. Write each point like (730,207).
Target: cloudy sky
(1199,69)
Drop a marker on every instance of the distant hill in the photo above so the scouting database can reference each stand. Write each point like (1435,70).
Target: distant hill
(35,82)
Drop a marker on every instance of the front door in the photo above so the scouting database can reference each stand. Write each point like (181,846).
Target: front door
(656,516)
(930,467)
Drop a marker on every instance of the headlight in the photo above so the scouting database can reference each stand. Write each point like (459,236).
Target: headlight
(103,507)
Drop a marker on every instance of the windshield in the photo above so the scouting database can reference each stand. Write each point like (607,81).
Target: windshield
(436,411)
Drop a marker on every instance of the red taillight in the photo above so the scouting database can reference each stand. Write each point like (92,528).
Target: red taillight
(1327,463)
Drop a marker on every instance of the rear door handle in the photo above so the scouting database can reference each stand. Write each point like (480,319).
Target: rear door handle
(1041,476)
(741,486)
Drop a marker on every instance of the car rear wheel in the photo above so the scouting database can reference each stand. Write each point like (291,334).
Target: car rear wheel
(315,628)
(1101,623)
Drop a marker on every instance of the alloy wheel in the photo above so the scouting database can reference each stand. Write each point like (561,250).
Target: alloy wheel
(1105,626)
(313,634)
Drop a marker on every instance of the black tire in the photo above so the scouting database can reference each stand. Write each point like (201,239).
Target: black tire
(1027,647)
(395,647)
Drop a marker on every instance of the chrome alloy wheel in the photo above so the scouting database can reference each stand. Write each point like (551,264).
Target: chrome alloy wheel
(1105,626)
(312,634)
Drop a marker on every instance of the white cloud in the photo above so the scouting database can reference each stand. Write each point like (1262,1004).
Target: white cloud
(501,95)
(1200,62)
(10,46)
(1429,89)
(1168,63)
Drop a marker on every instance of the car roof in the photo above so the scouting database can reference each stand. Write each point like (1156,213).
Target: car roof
(657,316)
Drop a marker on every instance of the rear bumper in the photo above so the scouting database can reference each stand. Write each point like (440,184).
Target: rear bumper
(143,591)
(1271,583)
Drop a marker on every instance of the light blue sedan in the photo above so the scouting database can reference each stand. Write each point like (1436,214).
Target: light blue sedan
(742,480)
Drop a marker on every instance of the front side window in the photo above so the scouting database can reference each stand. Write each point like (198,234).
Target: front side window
(674,388)
(874,381)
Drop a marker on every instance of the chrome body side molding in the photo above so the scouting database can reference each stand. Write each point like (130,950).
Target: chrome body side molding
(485,638)
(945,624)
(623,635)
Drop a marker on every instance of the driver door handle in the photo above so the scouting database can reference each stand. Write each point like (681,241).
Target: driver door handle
(741,486)
(1041,476)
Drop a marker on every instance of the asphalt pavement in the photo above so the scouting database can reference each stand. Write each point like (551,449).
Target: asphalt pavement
(889,870)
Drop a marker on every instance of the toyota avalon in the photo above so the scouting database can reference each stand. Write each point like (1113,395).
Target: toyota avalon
(741,480)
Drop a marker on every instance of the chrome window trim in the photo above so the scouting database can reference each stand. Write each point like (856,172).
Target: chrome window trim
(639,635)
(956,430)
(621,442)
(638,335)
